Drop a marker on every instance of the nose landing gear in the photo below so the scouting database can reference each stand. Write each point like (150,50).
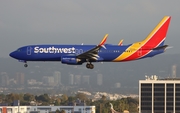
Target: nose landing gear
(25,65)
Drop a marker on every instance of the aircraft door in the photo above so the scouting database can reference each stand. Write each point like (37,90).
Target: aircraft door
(29,50)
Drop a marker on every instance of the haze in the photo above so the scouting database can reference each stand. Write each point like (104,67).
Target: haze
(78,21)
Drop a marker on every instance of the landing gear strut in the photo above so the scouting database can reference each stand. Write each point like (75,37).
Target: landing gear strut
(25,65)
(89,66)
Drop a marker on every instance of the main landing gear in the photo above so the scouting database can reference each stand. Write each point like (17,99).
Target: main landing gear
(89,66)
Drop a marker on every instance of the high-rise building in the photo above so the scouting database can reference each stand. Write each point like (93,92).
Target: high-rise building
(71,79)
(174,71)
(77,79)
(117,85)
(45,80)
(4,79)
(20,78)
(57,78)
(51,81)
(99,79)
(159,95)
(85,79)
(48,80)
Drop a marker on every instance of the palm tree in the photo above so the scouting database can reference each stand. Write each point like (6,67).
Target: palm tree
(112,109)
(62,111)
(57,111)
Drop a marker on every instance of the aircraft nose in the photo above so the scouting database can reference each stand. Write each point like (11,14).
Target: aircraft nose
(12,54)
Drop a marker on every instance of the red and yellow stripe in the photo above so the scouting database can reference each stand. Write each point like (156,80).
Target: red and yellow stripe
(156,37)
(120,43)
(103,40)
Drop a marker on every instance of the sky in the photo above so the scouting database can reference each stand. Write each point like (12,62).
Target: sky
(26,22)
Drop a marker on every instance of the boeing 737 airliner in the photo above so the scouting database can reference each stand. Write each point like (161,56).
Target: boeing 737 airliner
(152,45)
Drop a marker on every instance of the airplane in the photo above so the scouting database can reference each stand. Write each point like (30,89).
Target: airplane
(152,45)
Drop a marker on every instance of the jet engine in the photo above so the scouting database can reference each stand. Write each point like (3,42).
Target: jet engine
(71,60)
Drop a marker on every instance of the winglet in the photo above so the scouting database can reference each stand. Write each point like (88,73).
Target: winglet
(120,43)
(103,40)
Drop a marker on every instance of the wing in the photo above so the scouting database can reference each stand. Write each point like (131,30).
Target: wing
(92,54)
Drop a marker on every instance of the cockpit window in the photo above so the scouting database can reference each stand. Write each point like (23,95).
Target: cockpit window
(18,50)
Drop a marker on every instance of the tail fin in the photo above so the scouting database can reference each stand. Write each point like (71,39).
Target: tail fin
(154,40)
(158,35)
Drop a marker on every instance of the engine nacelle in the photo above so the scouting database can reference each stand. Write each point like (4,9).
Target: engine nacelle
(70,60)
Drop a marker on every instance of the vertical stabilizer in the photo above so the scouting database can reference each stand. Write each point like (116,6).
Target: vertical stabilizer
(158,35)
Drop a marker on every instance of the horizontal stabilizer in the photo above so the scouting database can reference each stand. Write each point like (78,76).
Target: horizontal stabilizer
(161,47)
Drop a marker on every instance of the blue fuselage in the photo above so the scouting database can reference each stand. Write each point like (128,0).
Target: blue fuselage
(55,52)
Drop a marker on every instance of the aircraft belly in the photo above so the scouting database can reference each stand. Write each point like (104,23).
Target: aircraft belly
(108,57)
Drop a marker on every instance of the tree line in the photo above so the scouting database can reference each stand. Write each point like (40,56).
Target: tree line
(102,105)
